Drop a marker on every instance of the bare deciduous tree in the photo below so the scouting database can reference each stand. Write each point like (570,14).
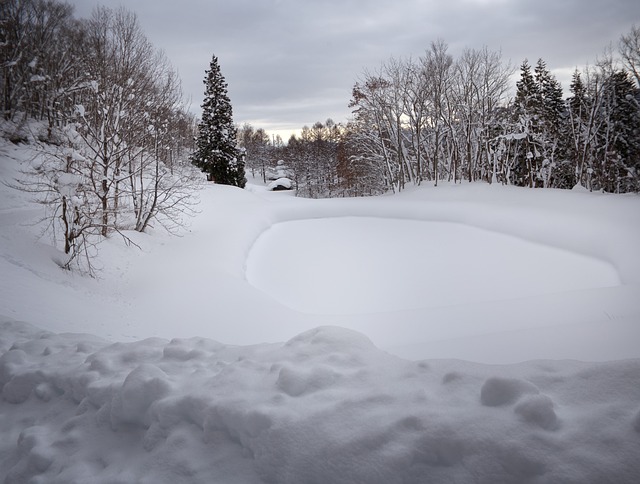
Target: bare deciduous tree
(122,136)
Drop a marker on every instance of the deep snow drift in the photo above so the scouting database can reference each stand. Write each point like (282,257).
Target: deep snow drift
(121,379)
(327,406)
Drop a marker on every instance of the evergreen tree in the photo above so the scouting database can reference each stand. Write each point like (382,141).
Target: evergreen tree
(553,110)
(217,153)
(618,140)
(540,115)
(555,170)
(578,101)
(527,119)
(527,93)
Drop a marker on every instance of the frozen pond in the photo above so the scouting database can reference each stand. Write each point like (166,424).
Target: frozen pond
(357,265)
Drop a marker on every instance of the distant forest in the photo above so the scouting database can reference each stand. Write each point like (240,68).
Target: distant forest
(443,118)
(99,87)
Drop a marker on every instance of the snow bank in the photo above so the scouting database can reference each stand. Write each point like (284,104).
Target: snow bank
(280,184)
(326,406)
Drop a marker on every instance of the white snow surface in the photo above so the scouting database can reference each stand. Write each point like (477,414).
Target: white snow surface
(322,266)
(282,182)
(464,333)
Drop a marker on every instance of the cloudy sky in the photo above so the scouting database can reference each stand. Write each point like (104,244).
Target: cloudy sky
(290,63)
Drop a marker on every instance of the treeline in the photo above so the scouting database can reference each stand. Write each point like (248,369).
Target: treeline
(311,159)
(109,110)
(317,161)
(440,118)
(443,118)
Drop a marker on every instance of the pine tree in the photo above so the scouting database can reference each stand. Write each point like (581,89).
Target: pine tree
(528,93)
(527,118)
(217,153)
(619,147)
(553,109)
(556,171)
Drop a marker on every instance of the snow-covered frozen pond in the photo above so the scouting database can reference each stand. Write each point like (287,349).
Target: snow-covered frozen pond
(353,265)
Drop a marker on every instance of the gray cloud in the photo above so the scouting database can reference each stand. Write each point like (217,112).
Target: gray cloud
(293,62)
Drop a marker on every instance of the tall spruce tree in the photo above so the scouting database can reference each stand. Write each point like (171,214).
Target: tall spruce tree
(618,144)
(556,171)
(217,153)
(527,111)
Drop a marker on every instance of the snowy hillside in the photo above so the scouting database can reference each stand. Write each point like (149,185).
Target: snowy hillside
(465,333)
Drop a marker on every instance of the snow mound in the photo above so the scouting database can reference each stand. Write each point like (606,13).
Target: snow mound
(145,385)
(502,391)
(280,184)
(538,410)
(326,406)
(324,339)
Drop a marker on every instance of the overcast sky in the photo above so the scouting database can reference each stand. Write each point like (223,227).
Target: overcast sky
(290,63)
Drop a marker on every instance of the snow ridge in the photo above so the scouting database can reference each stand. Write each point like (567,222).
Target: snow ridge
(327,406)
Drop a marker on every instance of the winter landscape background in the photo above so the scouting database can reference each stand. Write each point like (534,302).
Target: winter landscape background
(170,366)
(444,288)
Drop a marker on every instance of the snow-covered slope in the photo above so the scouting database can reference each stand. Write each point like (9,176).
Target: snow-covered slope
(189,361)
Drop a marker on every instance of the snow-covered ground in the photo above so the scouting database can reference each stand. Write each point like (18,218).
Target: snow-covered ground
(465,333)
(353,265)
